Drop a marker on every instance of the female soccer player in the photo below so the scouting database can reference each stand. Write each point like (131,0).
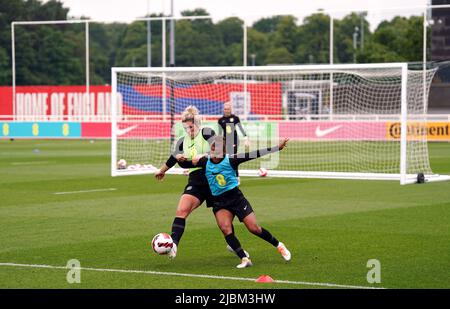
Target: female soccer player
(227,127)
(195,142)
(228,200)
(227,124)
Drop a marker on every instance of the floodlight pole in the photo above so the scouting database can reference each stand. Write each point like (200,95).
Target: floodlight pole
(13,62)
(245,64)
(331,62)
(244,52)
(149,36)
(355,43)
(172,36)
(363,16)
(87,65)
(424,61)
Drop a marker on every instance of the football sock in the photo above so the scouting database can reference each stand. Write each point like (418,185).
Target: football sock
(234,243)
(265,234)
(178,229)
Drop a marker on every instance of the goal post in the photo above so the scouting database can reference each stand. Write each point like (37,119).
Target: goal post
(344,121)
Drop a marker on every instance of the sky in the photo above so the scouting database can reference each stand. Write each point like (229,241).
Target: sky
(250,10)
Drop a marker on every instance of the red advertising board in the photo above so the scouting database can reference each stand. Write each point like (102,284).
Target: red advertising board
(56,103)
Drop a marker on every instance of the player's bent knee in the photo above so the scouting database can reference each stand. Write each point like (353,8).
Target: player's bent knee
(186,206)
(226,229)
(255,229)
(183,213)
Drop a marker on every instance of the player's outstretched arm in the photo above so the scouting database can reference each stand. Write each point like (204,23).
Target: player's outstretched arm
(283,143)
(196,162)
(175,157)
(159,174)
(247,156)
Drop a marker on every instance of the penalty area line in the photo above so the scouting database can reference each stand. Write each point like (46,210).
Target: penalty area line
(163,273)
(85,191)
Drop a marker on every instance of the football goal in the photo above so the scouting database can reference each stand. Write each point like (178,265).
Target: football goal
(357,121)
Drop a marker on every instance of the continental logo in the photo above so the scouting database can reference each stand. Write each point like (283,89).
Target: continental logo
(433,131)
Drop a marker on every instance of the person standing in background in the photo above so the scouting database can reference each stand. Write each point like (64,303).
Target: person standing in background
(227,127)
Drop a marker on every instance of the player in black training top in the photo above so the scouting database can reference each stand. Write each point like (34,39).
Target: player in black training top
(227,127)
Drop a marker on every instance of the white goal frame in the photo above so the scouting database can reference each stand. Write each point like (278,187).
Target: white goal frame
(401,176)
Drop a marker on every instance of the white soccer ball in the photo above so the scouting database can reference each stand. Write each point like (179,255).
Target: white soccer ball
(162,243)
(121,164)
(262,172)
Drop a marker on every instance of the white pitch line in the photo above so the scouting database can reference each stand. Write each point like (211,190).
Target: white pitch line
(149,272)
(86,191)
(29,163)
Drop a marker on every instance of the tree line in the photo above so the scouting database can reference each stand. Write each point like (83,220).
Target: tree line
(55,54)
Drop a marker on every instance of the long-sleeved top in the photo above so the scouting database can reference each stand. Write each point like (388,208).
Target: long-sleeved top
(221,176)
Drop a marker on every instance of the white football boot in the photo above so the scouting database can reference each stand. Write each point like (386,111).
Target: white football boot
(285,253)
(232,251)
(173,252)
(245,262)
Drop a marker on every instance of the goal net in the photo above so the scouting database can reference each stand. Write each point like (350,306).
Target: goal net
(363,121)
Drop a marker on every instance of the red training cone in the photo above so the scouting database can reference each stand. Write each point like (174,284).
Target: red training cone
(265,279)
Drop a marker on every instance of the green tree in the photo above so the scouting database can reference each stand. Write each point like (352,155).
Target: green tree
(267,25)
(10,10)
(198,46)
(100,48)
(231,30)
(5,76)
(401,39)
(286,34)
(279,55)
(258,45)
(199,42)
(51,10)
(55,54)
(375,53)
(313,40)
(343,37)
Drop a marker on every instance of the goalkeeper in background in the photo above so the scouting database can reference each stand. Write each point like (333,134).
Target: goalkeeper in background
(227,127)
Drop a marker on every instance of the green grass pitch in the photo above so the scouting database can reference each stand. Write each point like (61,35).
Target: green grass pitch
(331,227)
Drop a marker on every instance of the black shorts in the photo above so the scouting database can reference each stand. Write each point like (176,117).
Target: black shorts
(239,207)
(202,192)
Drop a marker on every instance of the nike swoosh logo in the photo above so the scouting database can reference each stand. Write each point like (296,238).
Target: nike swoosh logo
(245,208)
(126,130)
(322,133)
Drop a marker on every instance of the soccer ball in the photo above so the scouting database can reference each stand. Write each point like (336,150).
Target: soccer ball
(121,164)
(262,172)
(162,243)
